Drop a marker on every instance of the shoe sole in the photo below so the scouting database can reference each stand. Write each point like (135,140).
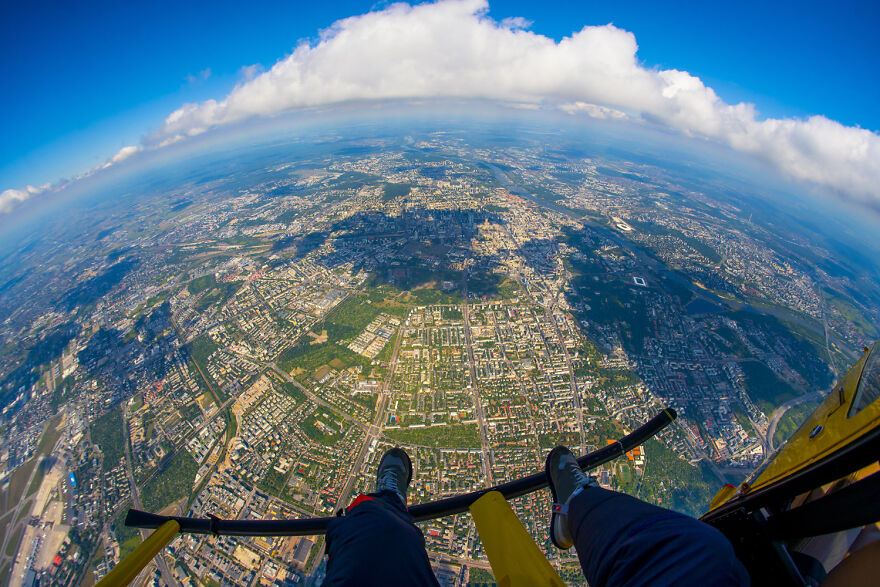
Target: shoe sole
(554,517)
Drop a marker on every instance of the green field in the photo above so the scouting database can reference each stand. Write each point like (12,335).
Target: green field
(304,358)
(330,420)
(689,488)
(791,421)
(128,538)
(217,296)
(658,230)
(200,284)
(446,436)
(288,388)
(617,302)
(395,190)
(107,433)
(479,577)
(202,347)
(807,344)
(174,482)
(850,312)
(342,325)
(765,388)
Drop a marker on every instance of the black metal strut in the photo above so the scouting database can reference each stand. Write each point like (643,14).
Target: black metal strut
(425,511)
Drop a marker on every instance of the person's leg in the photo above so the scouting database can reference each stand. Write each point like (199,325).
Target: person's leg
(621,540)
(376,542)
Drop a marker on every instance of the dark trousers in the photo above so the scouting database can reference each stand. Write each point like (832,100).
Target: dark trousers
(376,543)
(619,539)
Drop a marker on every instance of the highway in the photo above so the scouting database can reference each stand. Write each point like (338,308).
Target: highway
(478,405)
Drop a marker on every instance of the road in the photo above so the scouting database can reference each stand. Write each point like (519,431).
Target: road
(478,405)
(375,429)
(312,397)
(372,432)
(186,438)
(780,411)
(549,313)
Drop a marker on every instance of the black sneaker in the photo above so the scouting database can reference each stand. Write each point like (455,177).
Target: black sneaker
(394,472)
(566,479)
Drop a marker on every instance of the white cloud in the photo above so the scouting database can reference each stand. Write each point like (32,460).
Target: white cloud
(9,199)
(12,198)
(592,110)
(452,49)
(121,155)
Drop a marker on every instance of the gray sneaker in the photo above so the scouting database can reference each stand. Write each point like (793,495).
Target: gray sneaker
(394,472)
(566,479)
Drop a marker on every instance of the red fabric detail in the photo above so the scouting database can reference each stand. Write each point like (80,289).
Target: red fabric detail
(357,501)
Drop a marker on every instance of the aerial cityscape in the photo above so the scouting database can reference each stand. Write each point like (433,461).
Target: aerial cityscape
(248,342)
(437,292)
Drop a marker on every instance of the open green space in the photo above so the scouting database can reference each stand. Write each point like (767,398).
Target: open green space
(322,427)
(451,313)
(552,439)
(50,436)
(217,296)
(732,342)
(791,420)
(688,488)
(850,312)
(765,388)
(617,302)
(479,577)
(288,388)
(350,317)
(12,545)
(740,414)
(40,472)
(342,325)
(806,345)
(200,284)
(509,289)
(304,359)
(395,190)
(444,436)
(137,402)
(190,411)
(128,538)
(173,482)
(273,482)
(17,484)
(106,432)
(658,230)
(428,296)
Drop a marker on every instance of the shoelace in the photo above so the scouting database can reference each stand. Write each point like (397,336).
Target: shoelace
(580,478)
(389,480)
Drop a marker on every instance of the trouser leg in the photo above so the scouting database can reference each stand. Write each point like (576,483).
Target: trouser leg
(377,543)
(621,540)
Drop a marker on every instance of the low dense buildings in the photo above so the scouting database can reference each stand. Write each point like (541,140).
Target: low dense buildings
(262,353)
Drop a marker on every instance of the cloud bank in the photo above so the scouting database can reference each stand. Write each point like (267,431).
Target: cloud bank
(12,198)
(452,49)
(9,199)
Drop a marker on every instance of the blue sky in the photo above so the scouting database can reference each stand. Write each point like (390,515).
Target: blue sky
(85,79)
